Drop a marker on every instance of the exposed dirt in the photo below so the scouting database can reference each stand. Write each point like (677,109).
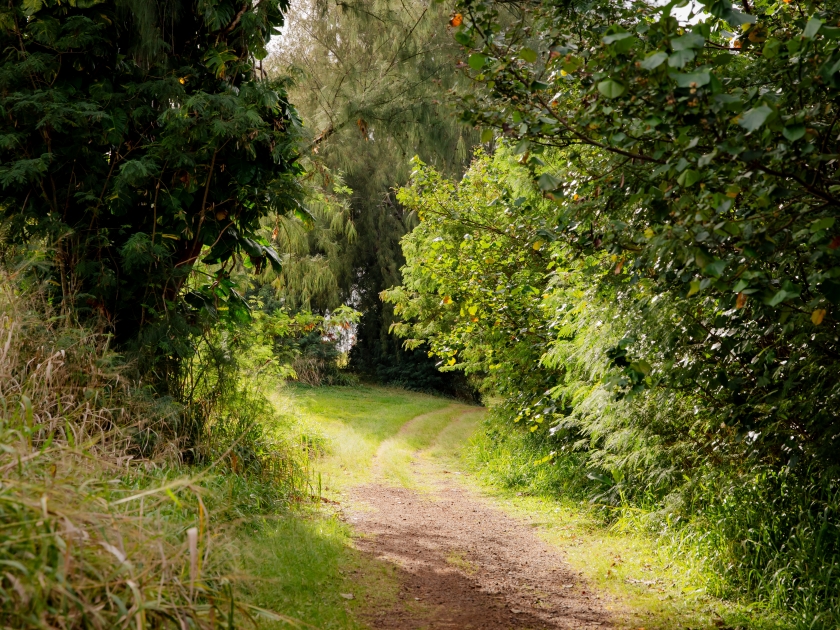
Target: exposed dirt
(463,563)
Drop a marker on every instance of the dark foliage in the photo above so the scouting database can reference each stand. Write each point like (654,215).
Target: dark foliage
(135,135)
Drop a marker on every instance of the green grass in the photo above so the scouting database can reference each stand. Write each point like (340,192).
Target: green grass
(303,566)
(395,453)
(350,424)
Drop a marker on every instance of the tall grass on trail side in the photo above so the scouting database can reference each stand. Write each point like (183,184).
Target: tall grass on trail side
(92,535)
(768,533)
(753,535)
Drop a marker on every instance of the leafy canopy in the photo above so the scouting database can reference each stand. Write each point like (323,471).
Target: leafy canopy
(137,139)
(705,159)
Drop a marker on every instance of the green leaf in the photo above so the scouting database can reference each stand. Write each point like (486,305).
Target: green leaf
(705,160)
(521,147)
(736,18)
(812,28)
(610,88)
(715,268)
(31,7)
(688,178)
(477,61)
(687,41)
(694,287)
(740,286)
(615,37)
(487,135)
(548,182)
(755,117)
(681,57)
(788,291)
(654,60)
(771,48)
(794,132)
(528,55)
(572,64)
(690,79)
(609,39)
(463,38)
(274,259)
(821,224)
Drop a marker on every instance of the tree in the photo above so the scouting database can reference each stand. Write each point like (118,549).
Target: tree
(139,138)
(705,166)
(371,79)
(474,277)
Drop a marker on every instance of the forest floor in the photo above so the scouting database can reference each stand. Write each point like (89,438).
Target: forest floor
(411,538)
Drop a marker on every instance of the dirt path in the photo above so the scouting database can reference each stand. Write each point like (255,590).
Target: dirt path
(464,563)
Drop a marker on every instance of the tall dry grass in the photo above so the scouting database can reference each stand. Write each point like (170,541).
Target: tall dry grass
(93,532)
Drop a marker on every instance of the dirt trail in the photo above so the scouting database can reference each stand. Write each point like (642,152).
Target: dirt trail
(464,563)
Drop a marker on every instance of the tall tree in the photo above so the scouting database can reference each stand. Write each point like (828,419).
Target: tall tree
(708,168)
(137,138)
(372,79)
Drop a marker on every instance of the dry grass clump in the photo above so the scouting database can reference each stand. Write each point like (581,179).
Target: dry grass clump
(89,538)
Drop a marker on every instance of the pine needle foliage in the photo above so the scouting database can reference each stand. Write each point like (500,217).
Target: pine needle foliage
(372,79)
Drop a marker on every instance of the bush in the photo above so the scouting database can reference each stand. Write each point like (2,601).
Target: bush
(99,523)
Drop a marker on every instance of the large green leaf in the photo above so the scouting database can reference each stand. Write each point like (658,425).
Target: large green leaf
(691,79)
(687,41)
(753,119)
(812,28)
(615,37)
(528,54)
(611,88)
(477,61)
(654,60)
(794,132)
(679,58)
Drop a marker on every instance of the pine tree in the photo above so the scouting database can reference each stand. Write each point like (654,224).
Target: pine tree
(371,79)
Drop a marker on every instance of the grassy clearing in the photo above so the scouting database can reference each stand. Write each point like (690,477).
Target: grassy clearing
(348,425)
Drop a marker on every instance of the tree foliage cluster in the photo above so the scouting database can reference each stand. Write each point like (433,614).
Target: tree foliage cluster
(371,80)
(663,226)
(138,140)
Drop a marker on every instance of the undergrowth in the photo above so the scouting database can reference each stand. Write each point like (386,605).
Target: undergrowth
(101,523)
(753,536)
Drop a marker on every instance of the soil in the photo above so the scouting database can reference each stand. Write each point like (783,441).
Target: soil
(462,562)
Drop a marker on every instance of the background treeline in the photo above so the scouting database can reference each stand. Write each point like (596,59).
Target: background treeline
(373,83)
(644,274)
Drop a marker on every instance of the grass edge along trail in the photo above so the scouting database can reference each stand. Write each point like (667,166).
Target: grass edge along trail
(307,566)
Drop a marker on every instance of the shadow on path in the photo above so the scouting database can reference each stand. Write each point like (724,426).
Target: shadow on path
(463,563)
